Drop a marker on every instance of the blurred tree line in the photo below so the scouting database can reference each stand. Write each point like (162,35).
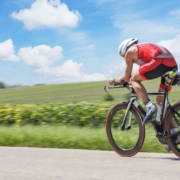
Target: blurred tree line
(2,85)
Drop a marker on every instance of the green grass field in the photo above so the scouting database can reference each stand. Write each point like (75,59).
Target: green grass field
(68,137)
(73,92)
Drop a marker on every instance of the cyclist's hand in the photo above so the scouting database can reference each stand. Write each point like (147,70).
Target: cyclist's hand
(114,82)
(111,81)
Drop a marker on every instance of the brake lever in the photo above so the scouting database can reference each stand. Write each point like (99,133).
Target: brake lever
(105,89)
(123,83)
(109,87)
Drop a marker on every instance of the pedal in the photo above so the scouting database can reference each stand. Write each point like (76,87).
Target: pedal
(159,135)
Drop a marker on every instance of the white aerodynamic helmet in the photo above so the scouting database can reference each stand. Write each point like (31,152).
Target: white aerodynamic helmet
(123,47)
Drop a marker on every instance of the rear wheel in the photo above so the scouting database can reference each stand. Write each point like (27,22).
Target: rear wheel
(125,142)
(171,123)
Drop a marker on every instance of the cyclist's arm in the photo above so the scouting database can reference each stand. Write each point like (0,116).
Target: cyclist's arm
(130,57)
(127,74)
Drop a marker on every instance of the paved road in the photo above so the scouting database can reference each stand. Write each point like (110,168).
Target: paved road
(63,164)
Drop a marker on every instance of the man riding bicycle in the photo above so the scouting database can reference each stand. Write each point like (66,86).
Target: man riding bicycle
(154,61)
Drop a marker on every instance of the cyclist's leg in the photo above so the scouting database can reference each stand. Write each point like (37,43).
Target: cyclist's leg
(138,87)
(141,91)
(145,72)
(173,124)
(154,69)
(168,64)
(148,71)
(160,99)
(162,88)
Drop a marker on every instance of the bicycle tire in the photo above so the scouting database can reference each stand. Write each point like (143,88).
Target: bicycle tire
(123,149)
(175,147)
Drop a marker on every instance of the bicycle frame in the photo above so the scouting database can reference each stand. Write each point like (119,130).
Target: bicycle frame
(133,101)
(159,129)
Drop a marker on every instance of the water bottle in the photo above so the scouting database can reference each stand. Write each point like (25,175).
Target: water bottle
(159,111)
(170,78)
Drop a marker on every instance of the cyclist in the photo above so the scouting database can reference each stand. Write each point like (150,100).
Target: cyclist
(154,61)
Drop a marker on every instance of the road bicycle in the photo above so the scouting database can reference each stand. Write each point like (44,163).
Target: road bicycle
(124,127)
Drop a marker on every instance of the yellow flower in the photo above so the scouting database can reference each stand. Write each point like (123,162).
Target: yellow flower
(123,111)
(100,109)
(18,109)
(18,120)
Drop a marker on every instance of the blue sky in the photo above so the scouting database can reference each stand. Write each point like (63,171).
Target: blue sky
(53,41)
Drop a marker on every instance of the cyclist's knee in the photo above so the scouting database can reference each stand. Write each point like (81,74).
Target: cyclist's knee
(136,79)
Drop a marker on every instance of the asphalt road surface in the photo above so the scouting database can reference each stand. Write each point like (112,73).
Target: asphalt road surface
(63,164)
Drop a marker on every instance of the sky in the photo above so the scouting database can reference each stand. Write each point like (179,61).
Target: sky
(64,41)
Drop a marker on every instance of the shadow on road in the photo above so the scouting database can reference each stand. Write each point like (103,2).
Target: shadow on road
(156,157)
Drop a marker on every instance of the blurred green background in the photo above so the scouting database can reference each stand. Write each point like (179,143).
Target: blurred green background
(14,102)
(73,92)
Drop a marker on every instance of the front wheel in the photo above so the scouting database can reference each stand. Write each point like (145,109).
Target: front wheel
(170,123)
(126,142)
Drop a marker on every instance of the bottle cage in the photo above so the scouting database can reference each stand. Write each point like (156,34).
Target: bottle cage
(176,80)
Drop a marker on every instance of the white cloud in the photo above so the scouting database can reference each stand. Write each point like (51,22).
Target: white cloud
(69,72)
(51,14)
(40,56)
(173,46)
(7,51)
(175,13)
(143,24)
(145,29)
(89,48)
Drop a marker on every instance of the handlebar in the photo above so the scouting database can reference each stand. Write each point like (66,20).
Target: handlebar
(122,84)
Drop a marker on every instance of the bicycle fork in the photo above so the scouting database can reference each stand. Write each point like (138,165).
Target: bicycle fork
(136,104)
